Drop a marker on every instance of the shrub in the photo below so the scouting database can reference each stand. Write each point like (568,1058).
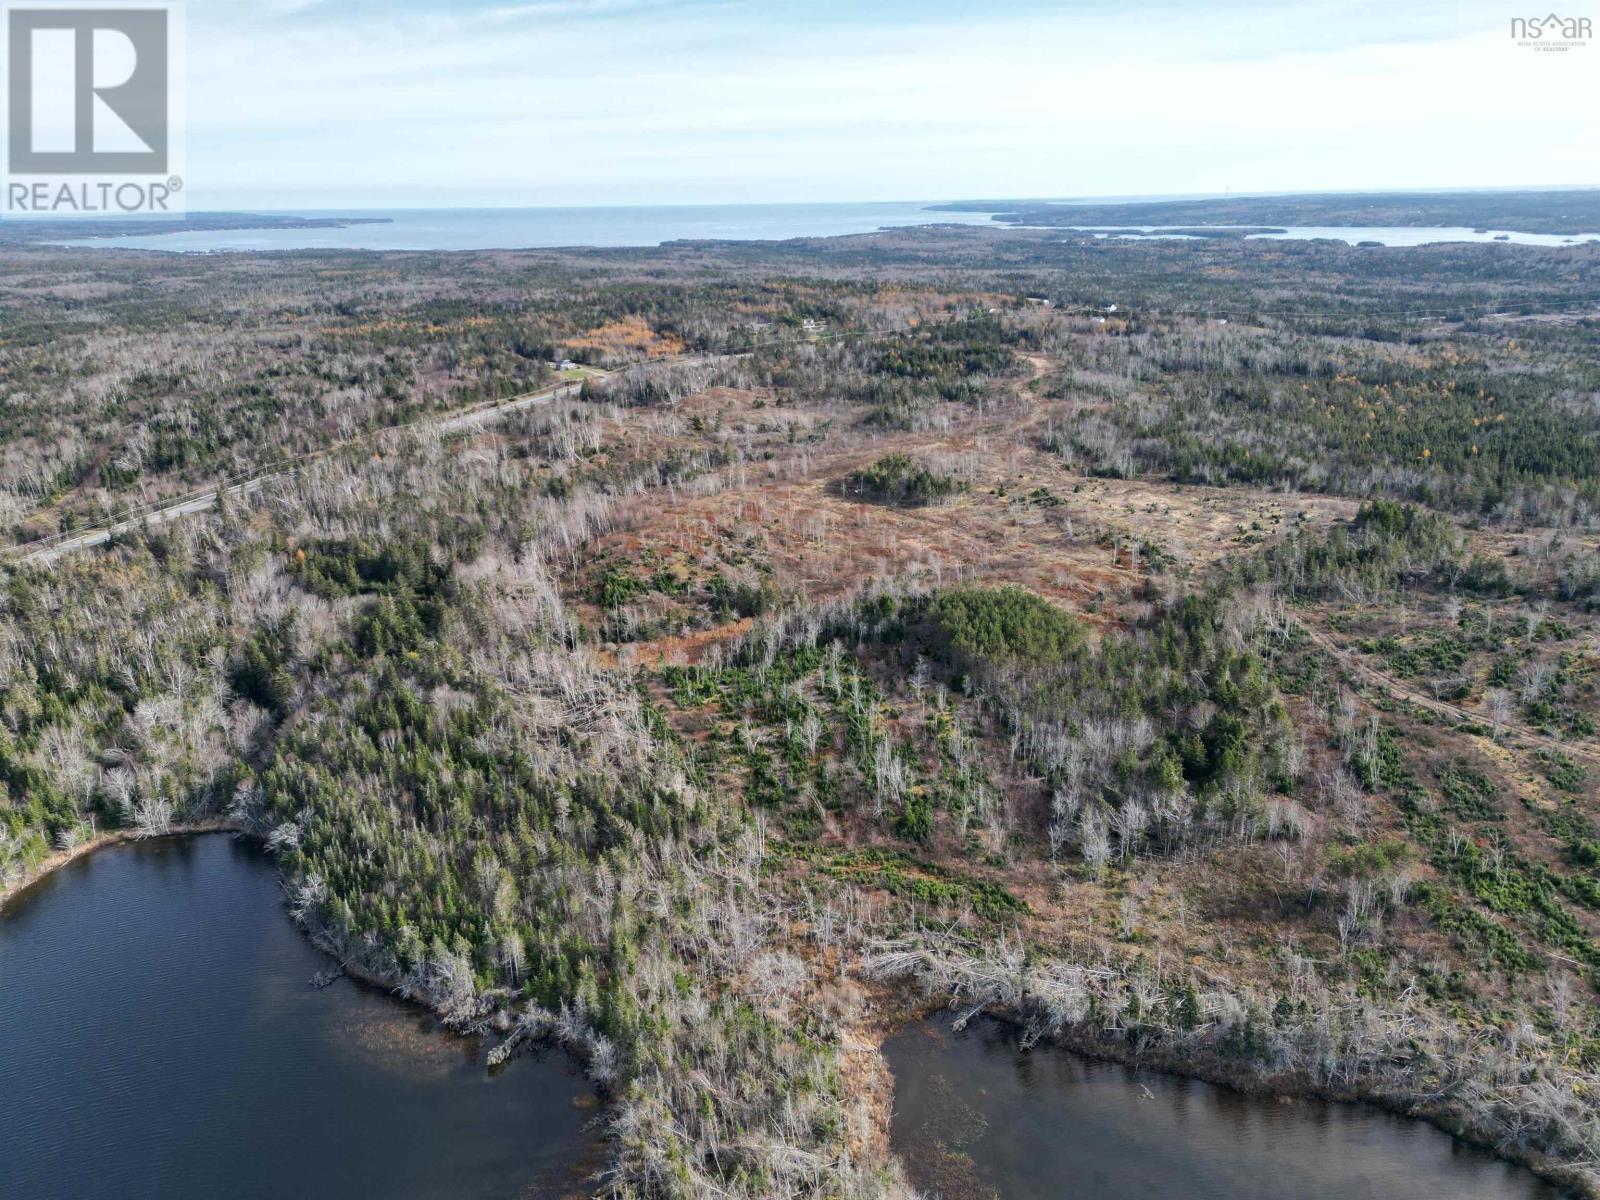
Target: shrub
(964,625)
(895,479)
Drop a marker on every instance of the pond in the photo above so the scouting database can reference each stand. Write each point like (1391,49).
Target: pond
(977,1116)
(162,1038)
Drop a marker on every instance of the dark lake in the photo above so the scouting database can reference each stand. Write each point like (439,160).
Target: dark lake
(976,1116)
(159,1037)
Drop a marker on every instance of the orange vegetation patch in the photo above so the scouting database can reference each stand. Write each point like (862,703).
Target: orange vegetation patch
(1094,546)
(1085,544)
(627,335)
(1090,545)
(682,648)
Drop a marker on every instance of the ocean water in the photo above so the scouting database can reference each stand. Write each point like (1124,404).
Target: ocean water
(543,228)
(523,228)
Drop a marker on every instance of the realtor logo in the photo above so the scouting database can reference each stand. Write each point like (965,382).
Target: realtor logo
(89,109)
(88,91)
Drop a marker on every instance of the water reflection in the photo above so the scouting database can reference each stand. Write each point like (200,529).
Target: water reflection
(161,1039)
(976,1116)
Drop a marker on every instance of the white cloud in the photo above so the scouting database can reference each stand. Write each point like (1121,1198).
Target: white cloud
(604,101)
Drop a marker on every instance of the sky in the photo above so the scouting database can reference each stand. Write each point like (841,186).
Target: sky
(422,103)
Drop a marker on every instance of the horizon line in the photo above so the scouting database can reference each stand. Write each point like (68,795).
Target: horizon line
(1000,203)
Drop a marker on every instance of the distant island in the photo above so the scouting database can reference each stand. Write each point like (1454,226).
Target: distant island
(1555,212)
(16,232)
(1186,231)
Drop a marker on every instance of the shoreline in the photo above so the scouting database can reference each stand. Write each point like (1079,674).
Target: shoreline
(57,859)
(903,1007)
(895,1007)
(500,1020)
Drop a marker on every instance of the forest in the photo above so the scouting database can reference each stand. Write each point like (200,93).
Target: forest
(1189,652)
(1569,211)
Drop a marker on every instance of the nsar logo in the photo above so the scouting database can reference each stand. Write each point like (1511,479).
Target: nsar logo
(1551,32)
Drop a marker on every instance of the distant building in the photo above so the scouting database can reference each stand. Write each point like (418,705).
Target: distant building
(568,365)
